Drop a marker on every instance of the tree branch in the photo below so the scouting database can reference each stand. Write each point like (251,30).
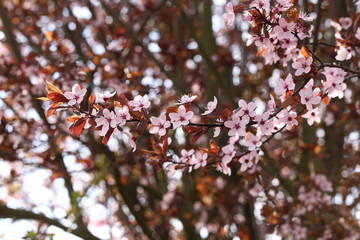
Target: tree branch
(6,212)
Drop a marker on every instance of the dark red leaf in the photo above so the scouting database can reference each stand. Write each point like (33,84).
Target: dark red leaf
(57,97)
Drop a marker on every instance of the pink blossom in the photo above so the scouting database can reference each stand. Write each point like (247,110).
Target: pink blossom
(264,125)
(289,118)
(237,126)
(253,38)
(121,115)
(321,180)
(345,22)
(271,104)
(252,141)
(344,53)
(256,190)
(224,168)
(211,106)
(260,4)
(181,118)
(334,84)
(186,155)
(302,65)
(129,140)
(357,35)
(312,116)
(103,96)
(199,160)
(246,162)
(228,153)
(310,97)
(140,102)
(186,99)
(284,29)
(76,95)
(106,121)
(160,124)
(245,109)
(171,169)
(283,86)
(229,15)
(283,5)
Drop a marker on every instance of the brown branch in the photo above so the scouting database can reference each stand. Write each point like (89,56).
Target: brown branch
(9,32)
(6,212)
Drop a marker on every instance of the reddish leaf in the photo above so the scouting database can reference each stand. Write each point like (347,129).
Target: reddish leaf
(117,104)
(78,127)
(141,127)
(123,99)
(326,100)
(52,109)
(305,52)
(107,136)
(53,88)
(43,99)
(57,97)
(171,109)
(92,99)
(73,118)
(214,148)
(197,136)
(293,14)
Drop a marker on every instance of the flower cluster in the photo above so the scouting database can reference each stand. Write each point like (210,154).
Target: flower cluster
(279,39)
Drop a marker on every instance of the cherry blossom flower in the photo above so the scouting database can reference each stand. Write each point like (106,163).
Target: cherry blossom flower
(171,169)
(334,85)
(302,65)
(310,97)
(256,190)
(260,4)
(289,118)
(246,162)
(76,95)
(121,115)
(252,141)
(181,118)
(252,38)
(224,168)
(186,155)
(140,102)
(211,106)
(104,96)
(186,99)
(312,116)
(160,124)
(324,184)
(129,140)
(237,126)
(245,109)
(288,43)
(284,29)
(344,53)
(106,121)
(283,86)
(228,152)
(264,125)
(345,22)
(229,15)
(357,35)
(199,160)
(283,5)
(271,104)
(217,131)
